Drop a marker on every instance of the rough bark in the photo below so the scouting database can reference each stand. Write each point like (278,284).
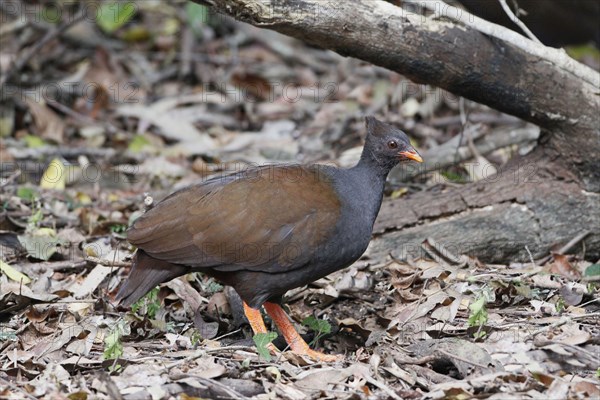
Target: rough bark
(494,219)
(526,204)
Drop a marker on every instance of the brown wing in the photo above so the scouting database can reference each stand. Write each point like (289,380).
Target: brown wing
(271,219)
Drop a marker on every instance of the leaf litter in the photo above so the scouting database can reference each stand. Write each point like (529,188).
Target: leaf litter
(441,326)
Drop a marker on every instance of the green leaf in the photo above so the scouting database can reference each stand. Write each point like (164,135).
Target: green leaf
(34,142)
(480,334)
(196,337)
(274,373)
(560,305)
(55,176)
(592,270)
(136,33)
(138,143)
(479,314)
(262,340)
(113,348)
(118,228)
(40,243)
(51,14)
(27,193)
(113,15)
(213,286)
(453,177)
(13,273)
(34,219)
(197,16)
(9,335)
(170,27)
(320,326)
(149,304)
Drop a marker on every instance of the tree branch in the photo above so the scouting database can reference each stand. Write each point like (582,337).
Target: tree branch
(499,68)
(556,56)
(518,22)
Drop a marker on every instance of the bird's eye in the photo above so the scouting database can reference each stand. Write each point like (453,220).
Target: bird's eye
(392,144)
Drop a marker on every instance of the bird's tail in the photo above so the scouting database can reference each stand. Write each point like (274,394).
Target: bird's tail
(146,273)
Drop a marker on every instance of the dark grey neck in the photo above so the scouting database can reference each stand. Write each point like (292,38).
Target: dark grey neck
(369,176)
(380,167)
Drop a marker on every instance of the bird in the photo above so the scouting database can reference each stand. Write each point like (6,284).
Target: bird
(268,229)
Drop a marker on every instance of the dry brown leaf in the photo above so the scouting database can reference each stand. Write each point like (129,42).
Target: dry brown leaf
(91,282)
(558,389)
(169,126)
(49,125)
(355,326)
(448,311)
(572,334)
(587,389)
(252,85)
(354,281)
(38,313)
(571,294)
(208,368)
(322,379)
(188,295)
(424,308)
(218,304)
(563,267)
(207,330)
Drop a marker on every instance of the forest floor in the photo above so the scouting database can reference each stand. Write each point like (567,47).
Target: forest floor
(100,115)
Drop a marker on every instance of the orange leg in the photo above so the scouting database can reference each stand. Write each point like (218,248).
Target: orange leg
(292,337)
(257,323)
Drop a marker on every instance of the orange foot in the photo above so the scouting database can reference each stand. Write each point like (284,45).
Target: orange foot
(293,338)
(258,325)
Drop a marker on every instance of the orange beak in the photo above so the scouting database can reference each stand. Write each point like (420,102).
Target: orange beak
(411,155)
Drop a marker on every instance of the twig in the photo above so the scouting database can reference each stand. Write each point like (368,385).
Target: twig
(33,50)
(230,392)
(555,56)
(81,117)
(10,179)
(15,387)
(202,352)
(472,147)
(508,278)
(111,387)
(486,118)
(445,254)
(436,257)
(464,117)
(66,152)
(56,265)
(187,43)
(587,303)
(572,243)
(218,338)
(518,22)
(463,125)
(444,155)
(108,263)
(530,256)
(382,386)
(558,323)
(459,358)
